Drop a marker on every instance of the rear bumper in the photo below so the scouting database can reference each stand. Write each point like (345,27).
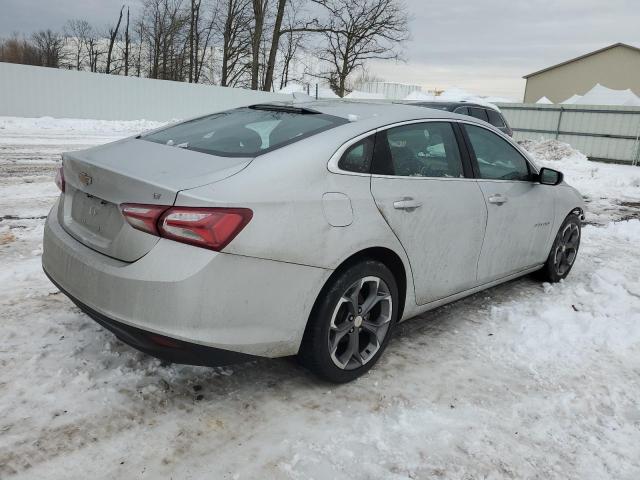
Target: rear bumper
(159,346)
(194,297)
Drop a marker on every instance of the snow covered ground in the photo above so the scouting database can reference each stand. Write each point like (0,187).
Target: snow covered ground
(522,381)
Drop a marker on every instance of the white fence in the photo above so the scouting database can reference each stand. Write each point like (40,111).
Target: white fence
(27,91)
(603,133)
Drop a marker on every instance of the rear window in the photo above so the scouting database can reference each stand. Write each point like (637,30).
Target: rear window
(245,132)
(480,113)
(495,119)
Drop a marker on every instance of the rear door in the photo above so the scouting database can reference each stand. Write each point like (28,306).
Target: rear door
(424,191)
(520,210)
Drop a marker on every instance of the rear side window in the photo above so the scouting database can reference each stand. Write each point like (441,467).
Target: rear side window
(462,111)
(480,113)
(497,159)
(245,132)
(495,119)
(357,158)
(425,149)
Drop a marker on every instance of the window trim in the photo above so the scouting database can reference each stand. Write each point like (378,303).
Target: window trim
(533,170)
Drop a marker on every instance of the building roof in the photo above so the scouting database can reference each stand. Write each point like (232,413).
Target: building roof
(615,45)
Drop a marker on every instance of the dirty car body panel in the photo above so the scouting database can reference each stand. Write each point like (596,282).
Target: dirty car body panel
(309,216)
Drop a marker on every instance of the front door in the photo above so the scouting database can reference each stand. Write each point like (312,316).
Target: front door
(521,210)
(438,215)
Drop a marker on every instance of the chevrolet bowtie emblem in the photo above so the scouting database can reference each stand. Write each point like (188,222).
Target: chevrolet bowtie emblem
(85,178)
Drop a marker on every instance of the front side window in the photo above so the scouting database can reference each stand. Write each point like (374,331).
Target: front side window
(497,159)
(495,119)
(246,131)
(357,158)
(425,149)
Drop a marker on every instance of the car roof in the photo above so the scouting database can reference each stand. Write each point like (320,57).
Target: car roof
(364,116)
(358,111)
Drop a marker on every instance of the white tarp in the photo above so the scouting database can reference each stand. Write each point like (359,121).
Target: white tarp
(544,101)
(600,95)
(571,100)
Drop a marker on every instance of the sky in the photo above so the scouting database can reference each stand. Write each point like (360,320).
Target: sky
(483,46)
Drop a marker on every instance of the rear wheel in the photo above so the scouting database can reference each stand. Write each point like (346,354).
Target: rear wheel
(351,323)
(563,252)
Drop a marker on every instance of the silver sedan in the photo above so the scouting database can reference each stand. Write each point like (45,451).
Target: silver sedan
(300,229)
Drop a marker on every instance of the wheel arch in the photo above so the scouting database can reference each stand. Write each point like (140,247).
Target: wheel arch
(384,255)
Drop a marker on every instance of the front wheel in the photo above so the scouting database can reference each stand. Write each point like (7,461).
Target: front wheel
(564,251)
(351,323)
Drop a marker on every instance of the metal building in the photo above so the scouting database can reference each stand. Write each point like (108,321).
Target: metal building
(616,66)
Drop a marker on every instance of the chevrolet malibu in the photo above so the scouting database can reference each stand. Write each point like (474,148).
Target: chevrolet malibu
(300,229)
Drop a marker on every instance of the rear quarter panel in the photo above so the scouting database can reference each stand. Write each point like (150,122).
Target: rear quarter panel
(284,188)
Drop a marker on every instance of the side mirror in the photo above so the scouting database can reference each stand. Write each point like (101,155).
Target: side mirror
(549,176)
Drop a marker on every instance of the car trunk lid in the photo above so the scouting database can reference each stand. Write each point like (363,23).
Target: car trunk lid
(99,179)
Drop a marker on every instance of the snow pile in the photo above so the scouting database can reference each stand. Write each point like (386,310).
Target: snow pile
(420,96)
(357,94)
(47,125)
(294,87)
(611,191)
(551,150)
(456,94)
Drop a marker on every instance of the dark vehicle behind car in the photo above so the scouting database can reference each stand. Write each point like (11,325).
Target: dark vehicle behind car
(482,112)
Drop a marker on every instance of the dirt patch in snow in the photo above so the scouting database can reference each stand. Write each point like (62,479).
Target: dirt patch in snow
(550,150)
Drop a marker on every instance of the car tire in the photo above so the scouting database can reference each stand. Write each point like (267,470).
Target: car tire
(351,322)
(563,252)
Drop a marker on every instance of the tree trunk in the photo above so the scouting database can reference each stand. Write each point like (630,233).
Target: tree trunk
(112,40)
(259,7)
(127,43)
(275,42)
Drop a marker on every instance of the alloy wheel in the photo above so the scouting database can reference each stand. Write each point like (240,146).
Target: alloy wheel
(360,323)
(566,249)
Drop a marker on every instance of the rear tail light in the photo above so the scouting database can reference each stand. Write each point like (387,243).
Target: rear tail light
(60,179)
(143,217)
(211,228)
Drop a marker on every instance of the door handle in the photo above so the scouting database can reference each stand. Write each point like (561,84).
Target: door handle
(497,199)
(407,204)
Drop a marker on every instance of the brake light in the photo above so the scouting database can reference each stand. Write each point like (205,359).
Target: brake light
(143,217)
(211,228)
(60,179)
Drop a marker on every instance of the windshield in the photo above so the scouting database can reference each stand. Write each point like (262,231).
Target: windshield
(245,132)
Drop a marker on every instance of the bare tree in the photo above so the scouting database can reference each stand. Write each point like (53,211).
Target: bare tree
(77,33)
(50,47)
(358,31)
(234,23)
(113,33)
